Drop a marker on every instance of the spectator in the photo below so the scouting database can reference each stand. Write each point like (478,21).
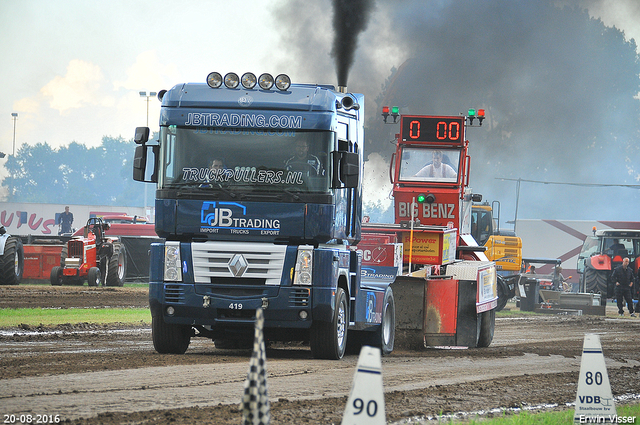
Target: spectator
(623,277)
(66,219)
(558,279)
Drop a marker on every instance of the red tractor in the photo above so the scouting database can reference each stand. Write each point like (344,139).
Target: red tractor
(99,259)
(602,253)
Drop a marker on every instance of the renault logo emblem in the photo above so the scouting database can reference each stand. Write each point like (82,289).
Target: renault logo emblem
(238,265)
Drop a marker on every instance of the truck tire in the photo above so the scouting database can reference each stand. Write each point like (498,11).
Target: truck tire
(595,281)
(169,338)
(93,276)
(56,276)
(329,340)
(486,327)
(386,333)
(117,266)
(12,262)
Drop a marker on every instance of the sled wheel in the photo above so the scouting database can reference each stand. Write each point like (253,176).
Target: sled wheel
(486,327)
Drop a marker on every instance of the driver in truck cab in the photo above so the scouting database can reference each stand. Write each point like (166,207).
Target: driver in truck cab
(437,169)
(303,161)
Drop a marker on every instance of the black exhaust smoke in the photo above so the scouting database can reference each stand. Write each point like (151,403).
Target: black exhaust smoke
(349,20)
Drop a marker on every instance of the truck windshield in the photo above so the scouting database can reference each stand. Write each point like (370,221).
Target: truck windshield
(438,165)
(246,160)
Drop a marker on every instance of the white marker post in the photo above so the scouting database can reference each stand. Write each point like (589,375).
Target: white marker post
(366,401)
(594,400)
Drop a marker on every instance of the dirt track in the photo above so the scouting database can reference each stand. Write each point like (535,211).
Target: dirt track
(111,374)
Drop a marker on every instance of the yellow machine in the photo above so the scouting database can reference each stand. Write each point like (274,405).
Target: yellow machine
(503,246)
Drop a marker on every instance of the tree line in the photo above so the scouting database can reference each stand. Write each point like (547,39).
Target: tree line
(75,174)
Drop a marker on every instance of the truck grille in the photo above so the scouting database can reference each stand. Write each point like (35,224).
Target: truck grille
(174,293)
(213,260)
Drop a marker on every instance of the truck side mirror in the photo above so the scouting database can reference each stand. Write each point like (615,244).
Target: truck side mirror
(140,160)
(142,135)
(346,170)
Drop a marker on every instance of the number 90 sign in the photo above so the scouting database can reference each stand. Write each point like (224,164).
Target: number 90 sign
(432,129)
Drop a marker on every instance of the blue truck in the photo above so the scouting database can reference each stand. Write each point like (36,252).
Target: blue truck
(259,200)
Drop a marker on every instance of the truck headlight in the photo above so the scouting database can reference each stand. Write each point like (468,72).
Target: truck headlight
(172,262)
(304,266)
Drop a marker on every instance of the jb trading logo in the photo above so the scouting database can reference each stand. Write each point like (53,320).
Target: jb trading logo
(232,216)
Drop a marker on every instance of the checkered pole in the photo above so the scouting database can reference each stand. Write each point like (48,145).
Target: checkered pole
(255,402)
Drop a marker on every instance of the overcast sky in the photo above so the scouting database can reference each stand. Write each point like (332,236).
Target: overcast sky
(72,69)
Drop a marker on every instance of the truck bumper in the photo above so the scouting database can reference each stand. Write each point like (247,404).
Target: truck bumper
(284,307)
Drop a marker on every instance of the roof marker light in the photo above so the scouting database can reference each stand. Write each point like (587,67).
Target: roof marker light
(249,80)
(265,81)
(214,80)
(283,82)
(231,80)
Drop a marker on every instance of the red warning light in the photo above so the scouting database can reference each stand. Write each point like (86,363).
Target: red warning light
(385,113)
(481,112)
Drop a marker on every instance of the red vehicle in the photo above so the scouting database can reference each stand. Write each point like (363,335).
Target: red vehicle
(451,296)
(602,253)
(93,256)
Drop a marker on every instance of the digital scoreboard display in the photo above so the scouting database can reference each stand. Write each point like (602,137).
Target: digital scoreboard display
(432,129)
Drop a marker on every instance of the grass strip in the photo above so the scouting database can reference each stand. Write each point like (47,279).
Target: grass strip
(627,413)
(11,317)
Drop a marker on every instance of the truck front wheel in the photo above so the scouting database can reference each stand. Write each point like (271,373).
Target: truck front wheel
(329,340)
(169,338)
